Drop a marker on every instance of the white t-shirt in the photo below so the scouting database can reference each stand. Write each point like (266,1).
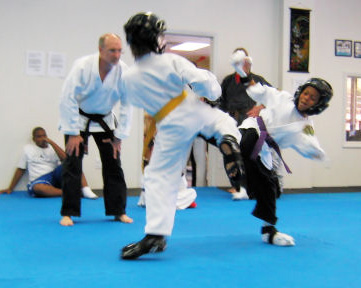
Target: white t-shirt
(38,161)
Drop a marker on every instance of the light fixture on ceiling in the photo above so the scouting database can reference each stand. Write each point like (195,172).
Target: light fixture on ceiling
(189,46)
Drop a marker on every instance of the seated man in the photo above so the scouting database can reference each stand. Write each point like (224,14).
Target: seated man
(43,165)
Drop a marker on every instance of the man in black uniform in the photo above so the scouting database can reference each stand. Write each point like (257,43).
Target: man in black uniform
(235,99)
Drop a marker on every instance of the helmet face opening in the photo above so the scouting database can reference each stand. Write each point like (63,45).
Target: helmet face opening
(144,31)
(325,90)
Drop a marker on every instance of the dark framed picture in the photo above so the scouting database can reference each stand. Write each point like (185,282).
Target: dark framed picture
(357,49)
(343,48)
(299,40)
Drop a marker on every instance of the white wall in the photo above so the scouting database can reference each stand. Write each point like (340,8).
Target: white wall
(72,27)
(338,21)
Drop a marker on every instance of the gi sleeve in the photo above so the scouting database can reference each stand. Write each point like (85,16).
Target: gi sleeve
(308,146)
(263,94)
(125,115)
(203,82)
(69,107)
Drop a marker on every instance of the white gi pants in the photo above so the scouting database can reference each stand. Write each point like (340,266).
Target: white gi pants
(175,135)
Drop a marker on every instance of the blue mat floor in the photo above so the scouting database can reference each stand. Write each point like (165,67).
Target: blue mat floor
(217,244)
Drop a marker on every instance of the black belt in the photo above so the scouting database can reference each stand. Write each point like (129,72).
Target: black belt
(98,118)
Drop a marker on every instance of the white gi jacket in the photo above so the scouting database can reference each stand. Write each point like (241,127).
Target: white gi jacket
(151,88)
(150,84)
(284,123)
(84,89)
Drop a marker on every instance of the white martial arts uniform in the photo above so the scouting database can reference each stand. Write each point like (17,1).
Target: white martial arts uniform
(284,123)
(84,89)
(186,196)
(151,83)
(289,129)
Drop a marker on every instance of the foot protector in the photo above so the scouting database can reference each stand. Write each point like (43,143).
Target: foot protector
(232,160)
(149,244)
(272,236)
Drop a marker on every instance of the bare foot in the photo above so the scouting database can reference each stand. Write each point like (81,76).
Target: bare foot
(66,221)
(123,218)
(232,190)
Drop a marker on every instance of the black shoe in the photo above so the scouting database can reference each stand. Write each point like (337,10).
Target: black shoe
(149,244)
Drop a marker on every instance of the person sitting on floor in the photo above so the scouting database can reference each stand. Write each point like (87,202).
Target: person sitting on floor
(43,164)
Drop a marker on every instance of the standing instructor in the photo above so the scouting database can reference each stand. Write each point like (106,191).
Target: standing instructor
(90,92)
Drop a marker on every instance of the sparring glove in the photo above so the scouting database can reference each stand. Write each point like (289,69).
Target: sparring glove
(238,59)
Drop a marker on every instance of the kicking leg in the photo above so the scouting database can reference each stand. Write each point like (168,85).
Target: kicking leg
(232,160)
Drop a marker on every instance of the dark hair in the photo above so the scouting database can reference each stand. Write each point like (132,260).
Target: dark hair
(241,49)
(36,129)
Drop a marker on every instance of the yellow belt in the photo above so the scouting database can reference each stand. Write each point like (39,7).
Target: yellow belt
(166,109)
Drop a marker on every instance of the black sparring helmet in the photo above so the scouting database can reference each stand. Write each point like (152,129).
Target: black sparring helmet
(325,90)
(143,30)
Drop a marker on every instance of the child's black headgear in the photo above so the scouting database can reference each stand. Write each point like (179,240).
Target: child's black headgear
(325,90)
(143,30)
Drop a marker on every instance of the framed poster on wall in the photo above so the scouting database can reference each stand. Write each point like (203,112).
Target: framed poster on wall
(343,48)
(357,49)
(299,40)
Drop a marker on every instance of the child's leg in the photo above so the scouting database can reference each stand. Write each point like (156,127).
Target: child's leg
(262,185)
(162,179)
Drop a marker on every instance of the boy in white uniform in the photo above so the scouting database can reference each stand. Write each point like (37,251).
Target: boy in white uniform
(284,123)
(159,83)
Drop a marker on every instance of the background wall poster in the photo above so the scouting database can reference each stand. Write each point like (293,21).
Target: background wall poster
(299,40)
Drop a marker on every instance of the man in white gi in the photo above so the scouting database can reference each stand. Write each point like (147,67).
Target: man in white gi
(283,123)
(160,84)
(42,160)
(90,92)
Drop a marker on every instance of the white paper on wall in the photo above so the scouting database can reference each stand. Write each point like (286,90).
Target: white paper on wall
(56,64)
(35,63)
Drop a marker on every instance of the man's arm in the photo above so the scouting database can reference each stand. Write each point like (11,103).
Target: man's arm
(59,151)
(16,178)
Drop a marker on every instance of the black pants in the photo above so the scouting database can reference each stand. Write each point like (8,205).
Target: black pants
(262,184)
(115,189)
